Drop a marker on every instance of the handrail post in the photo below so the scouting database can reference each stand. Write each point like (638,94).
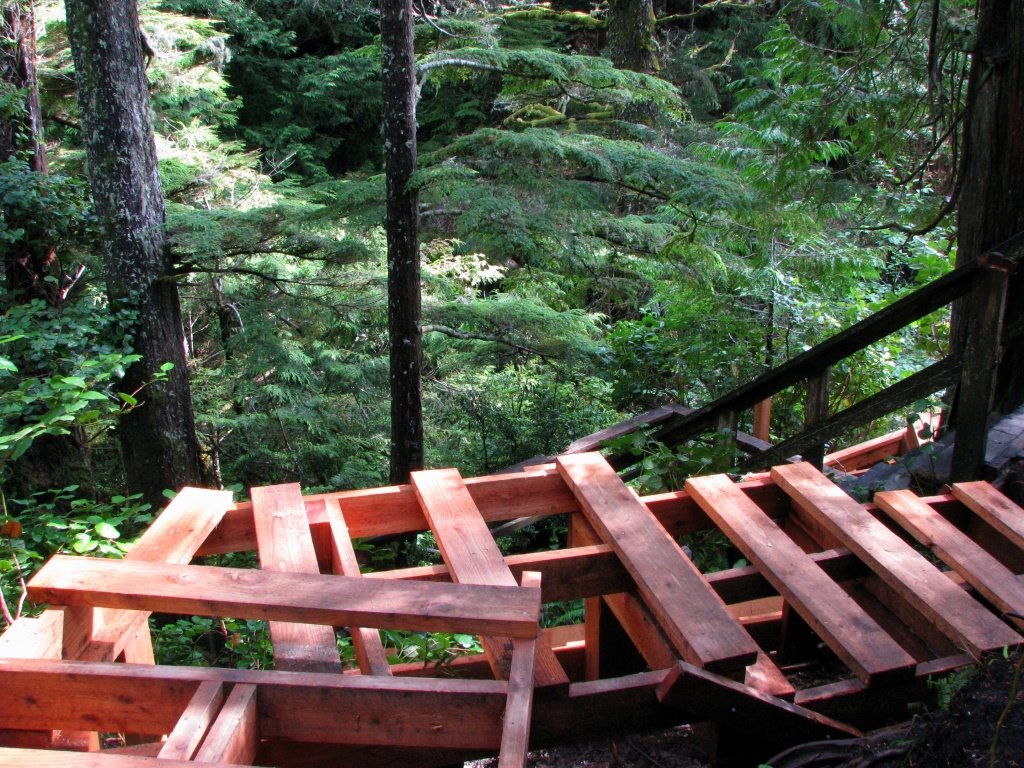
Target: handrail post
(763,420)
(815,411)
(986,305)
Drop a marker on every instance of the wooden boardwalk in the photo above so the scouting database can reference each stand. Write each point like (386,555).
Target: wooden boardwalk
(835,620)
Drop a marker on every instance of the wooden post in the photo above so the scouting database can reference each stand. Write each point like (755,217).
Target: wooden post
(763,420)
(973,405)
(815,411)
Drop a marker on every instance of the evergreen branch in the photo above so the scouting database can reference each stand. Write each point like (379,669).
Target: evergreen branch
(704,10)
(473,336)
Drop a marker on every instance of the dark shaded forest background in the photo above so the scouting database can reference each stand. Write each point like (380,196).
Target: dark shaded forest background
(621,204)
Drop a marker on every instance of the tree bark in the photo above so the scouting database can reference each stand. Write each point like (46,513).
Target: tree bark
(158,438)
(992,187)
(399,126)
(631,35)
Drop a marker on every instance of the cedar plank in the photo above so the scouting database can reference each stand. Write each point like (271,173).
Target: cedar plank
(994,581)
(690,613)
(847,629)
(194,722)
(994,508)
(473,557)
(706,695)
(285,545)
(908,573)
(369,649)
(234,736)
(303,598)
(515,732)
(36,758)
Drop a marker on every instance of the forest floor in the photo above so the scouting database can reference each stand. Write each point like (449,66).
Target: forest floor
(959,736)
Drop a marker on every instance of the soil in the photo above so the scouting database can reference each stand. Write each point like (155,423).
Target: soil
(959,736)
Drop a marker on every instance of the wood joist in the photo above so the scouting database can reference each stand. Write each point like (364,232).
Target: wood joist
(835,607)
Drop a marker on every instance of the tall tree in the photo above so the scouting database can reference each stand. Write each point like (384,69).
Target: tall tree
(404,303)
(631,35)
(158,437)
(992,187)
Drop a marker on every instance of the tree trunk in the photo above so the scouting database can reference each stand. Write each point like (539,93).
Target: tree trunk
(992,192)
(631,35)
(28,262)
(399,92)
(157,437)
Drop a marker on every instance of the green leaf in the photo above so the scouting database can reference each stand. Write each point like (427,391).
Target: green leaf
(107,531)
(128,399)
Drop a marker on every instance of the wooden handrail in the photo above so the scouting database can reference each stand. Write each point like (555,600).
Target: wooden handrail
(816,360)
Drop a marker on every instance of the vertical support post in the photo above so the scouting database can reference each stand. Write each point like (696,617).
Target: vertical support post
(816,411)
(763,420)
(986,306)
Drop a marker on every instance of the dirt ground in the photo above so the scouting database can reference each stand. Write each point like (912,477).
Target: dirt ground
(959,736)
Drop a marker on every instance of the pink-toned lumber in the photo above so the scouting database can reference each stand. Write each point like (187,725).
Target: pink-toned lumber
(285,545)
(994,508)
(37,758)
(234,736)
(370,653)
(293,706)
(301,598)
(896,563)
(183,742)
(515,731)
(994,581)
(703,694)
(473,557)
(692,616)
(833,615)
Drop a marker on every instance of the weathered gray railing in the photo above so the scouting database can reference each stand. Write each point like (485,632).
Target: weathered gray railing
(971,372)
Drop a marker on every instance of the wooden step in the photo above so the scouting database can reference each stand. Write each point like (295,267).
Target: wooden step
(833,615)
(961,618)
(994,581)
(285,545)
(692,615)
(473,557)
(243,593)
(994,508)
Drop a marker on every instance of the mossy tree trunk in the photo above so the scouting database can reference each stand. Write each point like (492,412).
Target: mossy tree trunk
(991,206)
(631,41)
(158,438)
(399,126)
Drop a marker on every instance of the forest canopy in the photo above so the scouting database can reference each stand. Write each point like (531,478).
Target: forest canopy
(620,206)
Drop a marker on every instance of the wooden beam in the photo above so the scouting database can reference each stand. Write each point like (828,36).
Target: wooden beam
(994,581)
(286,546)
(473,557)
(183,742)
(705,695)
(234,736)
(994,508)
(313,599)
(515,731)
(851,634)
(689,612)
(917,581)
(293,706)
(36,758)
(370,654)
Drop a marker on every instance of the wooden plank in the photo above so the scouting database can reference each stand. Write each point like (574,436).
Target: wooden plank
(833,615)
(305,598)
(180,530)
(473,557)
(35,758)
(709,696)
(994,508)
(190,730)
(689,612)
(234,736)
(943,603)
(34,638)
(515,732)
(293,706)
(765,676)
(994,581)
(285,545)
(370,654)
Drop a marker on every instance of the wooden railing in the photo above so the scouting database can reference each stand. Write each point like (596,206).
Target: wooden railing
(970,372)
